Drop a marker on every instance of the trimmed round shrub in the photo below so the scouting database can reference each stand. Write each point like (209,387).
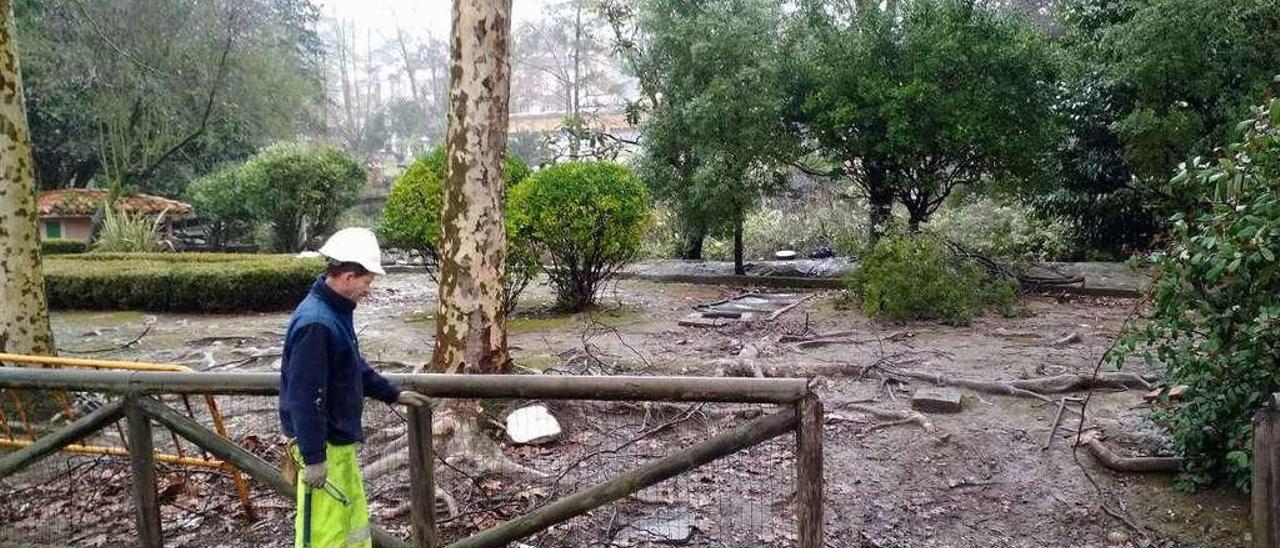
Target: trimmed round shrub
(920,278)
(301,188)
(587,219)
(224,200)
(179,282)
(57,246)
(411,219)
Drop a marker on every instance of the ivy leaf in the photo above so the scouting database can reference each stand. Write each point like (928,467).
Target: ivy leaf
(1239,459)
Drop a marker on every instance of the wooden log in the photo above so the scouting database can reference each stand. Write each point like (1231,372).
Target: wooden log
(583,501)
(614,388)
(142,462)
(809,481)
(422,496)
(247,462)
(1266,476)
(81,428)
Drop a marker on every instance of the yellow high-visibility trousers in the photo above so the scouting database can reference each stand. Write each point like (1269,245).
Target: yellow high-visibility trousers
(337,515)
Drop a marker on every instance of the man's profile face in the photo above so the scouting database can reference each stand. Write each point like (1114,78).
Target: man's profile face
(353,286)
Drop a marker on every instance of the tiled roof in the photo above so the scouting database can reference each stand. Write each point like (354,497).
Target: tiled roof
(79,202)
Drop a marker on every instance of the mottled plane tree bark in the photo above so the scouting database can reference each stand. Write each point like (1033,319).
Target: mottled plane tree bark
(471,325)
(24,315)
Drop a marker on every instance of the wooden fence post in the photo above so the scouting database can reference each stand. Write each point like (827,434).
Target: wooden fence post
(1266,476)
(809,471)
(422,489)
(142,459)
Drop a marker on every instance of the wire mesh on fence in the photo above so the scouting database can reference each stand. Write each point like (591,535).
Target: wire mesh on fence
(744,499)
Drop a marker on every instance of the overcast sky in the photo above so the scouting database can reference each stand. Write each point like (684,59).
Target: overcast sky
(381,16)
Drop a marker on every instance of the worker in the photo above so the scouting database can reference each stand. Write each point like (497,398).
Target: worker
(323,383)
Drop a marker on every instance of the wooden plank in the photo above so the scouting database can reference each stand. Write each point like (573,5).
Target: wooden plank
(146,498)
(809,480)
(584,501)
(546,387)
(81,428)
(1265,491)
(258,469)
(422,489)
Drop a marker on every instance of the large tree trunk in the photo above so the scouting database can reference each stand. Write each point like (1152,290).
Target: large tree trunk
(471,326)
(24,314)
(738,267)
(471,330)
(879,202)
(691,239)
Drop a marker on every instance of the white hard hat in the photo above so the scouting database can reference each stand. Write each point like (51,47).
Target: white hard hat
(355,245)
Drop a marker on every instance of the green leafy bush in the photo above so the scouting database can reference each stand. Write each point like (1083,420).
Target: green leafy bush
(920,278)
(125,232)
(301,188)
(1214,323)
(588,219)
(58,246)
(1003,230)
(188,282)
(411,219)
(226,202)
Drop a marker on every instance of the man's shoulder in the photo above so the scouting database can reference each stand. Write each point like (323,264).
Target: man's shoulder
(311,311)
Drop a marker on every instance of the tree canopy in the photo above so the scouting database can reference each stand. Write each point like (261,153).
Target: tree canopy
(148,95)
(715,137)
(912,106)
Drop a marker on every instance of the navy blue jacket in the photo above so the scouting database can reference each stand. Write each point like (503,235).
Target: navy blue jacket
(323,377)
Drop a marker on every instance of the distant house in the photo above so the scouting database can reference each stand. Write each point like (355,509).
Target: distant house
(68,213)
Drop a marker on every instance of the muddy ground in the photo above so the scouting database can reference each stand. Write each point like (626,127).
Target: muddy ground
(979,479)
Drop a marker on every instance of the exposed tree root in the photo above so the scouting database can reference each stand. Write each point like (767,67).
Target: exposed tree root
(460,441)
(446,506)
(1112,461)
(892,416)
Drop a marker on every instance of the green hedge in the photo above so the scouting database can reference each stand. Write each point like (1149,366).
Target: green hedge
(62,247)
(179,282)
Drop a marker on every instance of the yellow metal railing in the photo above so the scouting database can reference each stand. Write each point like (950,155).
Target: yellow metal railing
(8,439)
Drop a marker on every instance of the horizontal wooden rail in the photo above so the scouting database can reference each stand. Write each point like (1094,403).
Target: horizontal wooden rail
(71,433)
(673,389)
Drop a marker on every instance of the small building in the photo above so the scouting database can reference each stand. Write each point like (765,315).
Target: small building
(68,213)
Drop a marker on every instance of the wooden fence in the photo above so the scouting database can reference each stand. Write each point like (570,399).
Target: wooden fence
(137,404)
(1266,475)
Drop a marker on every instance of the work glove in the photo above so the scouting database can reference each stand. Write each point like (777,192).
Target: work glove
(411,398)
(315,475)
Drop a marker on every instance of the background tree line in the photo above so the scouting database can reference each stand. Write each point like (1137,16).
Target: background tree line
(1081,110)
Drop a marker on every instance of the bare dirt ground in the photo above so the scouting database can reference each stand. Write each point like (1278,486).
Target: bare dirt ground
(979,478)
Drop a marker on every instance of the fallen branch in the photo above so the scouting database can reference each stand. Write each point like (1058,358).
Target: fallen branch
(990,387)
(894,417)
(1036,388)
(1068,339)
(131,342)
(828,335)
(1075,383)
(1112,461)
(842,338)
(688,413)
